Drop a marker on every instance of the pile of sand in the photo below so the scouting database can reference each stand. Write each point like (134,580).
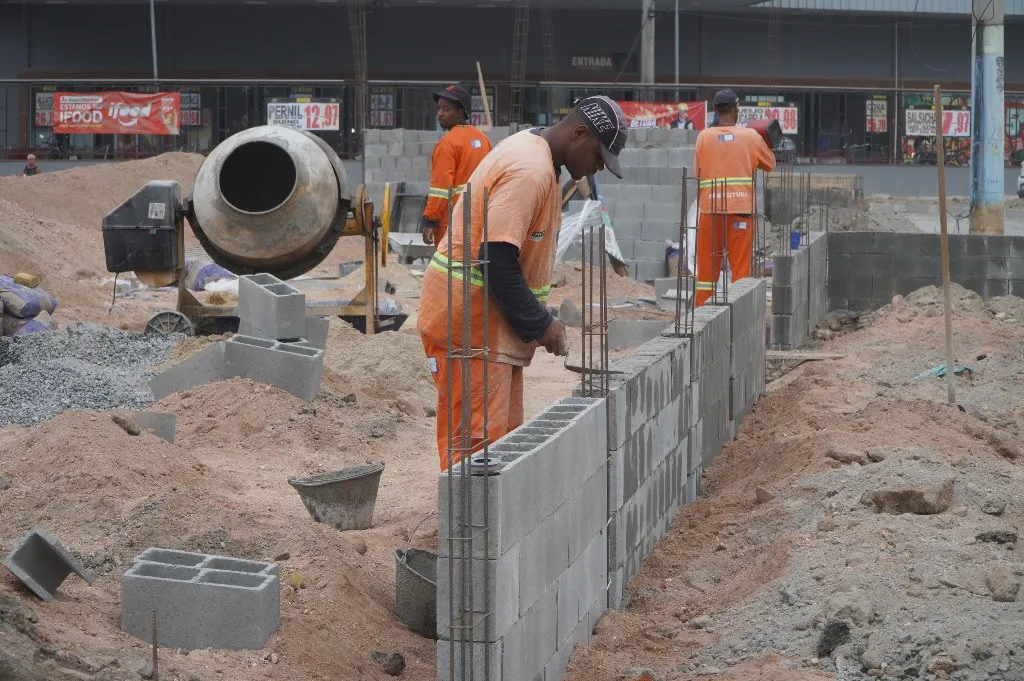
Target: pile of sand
(389,365)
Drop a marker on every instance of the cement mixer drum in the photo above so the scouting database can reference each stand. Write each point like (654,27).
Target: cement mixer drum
(270,199)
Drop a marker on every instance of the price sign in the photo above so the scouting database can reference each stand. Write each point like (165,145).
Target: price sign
(877,119)
(920,122)
(787,116)
(305,115)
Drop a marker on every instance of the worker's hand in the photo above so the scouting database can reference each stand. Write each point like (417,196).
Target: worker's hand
(428,235)
(554,339)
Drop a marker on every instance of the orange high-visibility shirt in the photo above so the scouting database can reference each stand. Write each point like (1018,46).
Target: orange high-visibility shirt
(455,157)
(524,209)
(726,158)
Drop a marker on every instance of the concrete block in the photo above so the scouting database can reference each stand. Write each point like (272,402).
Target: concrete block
(533,640)
(470,660)
(671,196)
(664,229)
(495,591)
(291,368)
(201,600)
(647,250)
(42,564)
(161,424)
(316,332)
(663,212)
(272,306)
(647,270)
(624,333)
(587,512)
(206,366)
(543,557)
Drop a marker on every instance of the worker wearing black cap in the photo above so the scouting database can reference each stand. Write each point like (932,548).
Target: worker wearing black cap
(455,157)
(725,159)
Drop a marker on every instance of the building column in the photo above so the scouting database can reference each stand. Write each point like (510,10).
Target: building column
(987,121)
(647,43)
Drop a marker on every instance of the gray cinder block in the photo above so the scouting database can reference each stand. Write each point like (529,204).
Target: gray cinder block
(161,424)
(42,564)
(470,660)
(272,306)
(497,579)
(206,366)
(624,333)
(201,600)
(533,640)
(292,368)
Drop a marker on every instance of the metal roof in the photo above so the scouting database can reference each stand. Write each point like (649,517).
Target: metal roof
(1013,7)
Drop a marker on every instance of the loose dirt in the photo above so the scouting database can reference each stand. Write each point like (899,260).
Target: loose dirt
(744,588)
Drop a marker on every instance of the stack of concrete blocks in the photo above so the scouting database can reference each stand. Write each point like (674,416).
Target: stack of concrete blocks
(201,601)
(747,303)
(817,277)
(546,546)
(790,299)
(710,370)
(649,450)
(277,344)
(645,205)
(401,155)
(866,269)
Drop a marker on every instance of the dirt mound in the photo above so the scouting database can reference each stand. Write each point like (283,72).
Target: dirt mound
(83,195)
(857,217)
(389,365)
(787,568)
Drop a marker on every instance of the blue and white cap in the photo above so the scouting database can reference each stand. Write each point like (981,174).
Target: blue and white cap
(608,123)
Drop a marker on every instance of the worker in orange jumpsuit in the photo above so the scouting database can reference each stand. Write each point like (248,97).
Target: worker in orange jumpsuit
(726,159)
(524,213)
(455,157)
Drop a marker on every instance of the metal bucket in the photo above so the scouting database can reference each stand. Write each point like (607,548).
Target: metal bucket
(416,590)
(343,499)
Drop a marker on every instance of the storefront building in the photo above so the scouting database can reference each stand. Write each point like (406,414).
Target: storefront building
(850,86)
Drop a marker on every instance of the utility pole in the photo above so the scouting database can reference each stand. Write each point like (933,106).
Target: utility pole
(987,125)
(647,44)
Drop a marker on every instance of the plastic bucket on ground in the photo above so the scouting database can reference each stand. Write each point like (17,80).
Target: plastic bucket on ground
(794,240)
(343,499)
(416,590)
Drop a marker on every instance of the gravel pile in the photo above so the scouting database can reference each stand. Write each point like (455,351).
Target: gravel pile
(82,366)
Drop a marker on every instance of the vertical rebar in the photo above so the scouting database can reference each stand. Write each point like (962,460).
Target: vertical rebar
(450,414)
(681,256)
(485,352)
(466,427)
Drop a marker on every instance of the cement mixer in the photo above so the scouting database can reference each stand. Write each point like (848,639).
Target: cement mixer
(268,199)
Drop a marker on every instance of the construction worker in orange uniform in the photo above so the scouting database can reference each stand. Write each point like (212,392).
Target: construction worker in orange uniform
(726,158)
(455,157)
(524,200)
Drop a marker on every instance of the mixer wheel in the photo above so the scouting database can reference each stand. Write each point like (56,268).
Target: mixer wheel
(168,322)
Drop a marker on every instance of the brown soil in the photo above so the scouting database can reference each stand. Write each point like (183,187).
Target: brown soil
(727,554)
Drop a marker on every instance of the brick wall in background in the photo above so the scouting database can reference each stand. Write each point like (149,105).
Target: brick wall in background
(866,269)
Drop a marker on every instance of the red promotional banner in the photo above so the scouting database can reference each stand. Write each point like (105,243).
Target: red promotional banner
(116,113)
(685,115)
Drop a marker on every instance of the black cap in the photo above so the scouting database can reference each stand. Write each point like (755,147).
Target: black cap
(608,123)
(723,97)
(456,93)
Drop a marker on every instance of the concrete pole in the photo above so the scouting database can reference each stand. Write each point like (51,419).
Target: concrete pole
(647,44)
(987,120)
(152,37)
(677,50)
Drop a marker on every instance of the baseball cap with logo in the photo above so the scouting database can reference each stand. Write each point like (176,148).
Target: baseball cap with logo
(608,123)
(456,93)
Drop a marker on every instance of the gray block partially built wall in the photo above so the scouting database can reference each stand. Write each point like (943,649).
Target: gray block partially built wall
(798,292)
(587,489)
(866,269)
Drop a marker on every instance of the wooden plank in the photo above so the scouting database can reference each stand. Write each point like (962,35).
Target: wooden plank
(798,356)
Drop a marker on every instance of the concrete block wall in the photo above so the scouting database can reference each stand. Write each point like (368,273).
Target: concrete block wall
(798,292)
(403,156)
(645,205)
(587,488)
(543,559)
(866,269)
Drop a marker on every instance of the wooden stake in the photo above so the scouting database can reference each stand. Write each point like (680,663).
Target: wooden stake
(940,158)
(483,93)
(156,671)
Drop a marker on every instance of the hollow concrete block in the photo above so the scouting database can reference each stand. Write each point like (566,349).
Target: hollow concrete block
(290,367)
(201,600)
(42,564)
(494,607)
(469,660)
(272,306)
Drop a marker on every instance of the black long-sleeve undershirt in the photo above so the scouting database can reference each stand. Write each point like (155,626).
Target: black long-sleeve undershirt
(527,317)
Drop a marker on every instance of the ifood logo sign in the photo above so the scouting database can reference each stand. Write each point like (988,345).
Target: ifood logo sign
(127,115)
